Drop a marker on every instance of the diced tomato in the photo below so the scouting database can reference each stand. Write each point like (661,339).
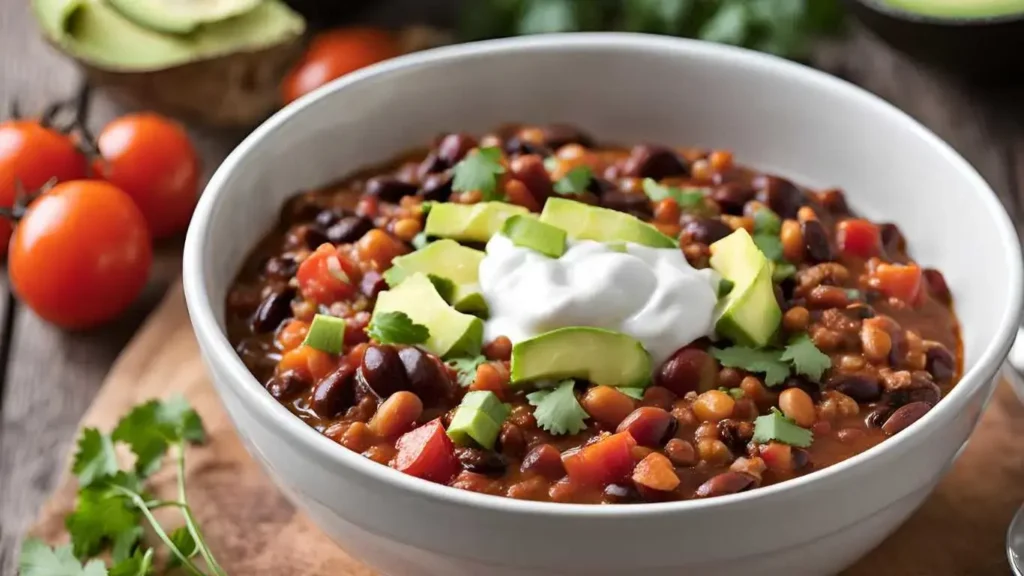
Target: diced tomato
(902,281)
(292,334)
(606,461)
(777,456)
(307,360)
(427,453)
(491,376)
(327,276)
(656,472)
(858,237)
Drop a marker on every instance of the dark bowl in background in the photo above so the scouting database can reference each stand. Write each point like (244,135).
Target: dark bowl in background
(989,49)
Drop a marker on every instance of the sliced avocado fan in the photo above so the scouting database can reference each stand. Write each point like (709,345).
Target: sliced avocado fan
(181,16)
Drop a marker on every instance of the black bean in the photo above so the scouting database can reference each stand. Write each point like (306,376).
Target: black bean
(436,187)
(800,458)
(878,415)
(706,230)
(600,186)
(349,229)
(922,390)
(516,146)
(426,378)
(781,195)
(893,242)
(287,386)
(621,493)
(819,249)
(861,387)
(657,162)
(372,284)
(732,196)
(329,216)
(382,371)
(281,267)
(454,147)
(301,208)
(725,483)
(334,393)
(835,202)
(314,237)
(636,204)
(937,286)
(485,462)
(274,309)
(860,311)
(813,390)
(558,135)
(735,434)
(389,189)
(432,164)
(940,363)
(904,417)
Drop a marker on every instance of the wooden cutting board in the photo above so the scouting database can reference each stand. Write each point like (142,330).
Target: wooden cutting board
(253,530)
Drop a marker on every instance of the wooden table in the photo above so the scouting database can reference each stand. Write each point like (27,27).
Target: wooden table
(49,377)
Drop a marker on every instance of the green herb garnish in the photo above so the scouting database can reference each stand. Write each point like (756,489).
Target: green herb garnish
(769,245)
(396,328)
(479,171)
(767,362)
(767,222)
(806,358)
(326,334)
(775,426)
(575,182)
(466,369)
(853,294)
(684,197)
(782,271)
(634,393)
(557,410)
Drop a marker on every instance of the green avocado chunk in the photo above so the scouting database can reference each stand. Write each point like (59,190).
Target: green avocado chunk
(180,16)
(452,333)
(530,233)
(960,9)
(749,314)
(469,222)
(445,259)
(100,35)
(586,222)
(478,418)
(594,354)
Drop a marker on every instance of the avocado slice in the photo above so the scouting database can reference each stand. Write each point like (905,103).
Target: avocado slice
(587,222)
(469,222)
(594,354)
(528,232)
(445,259)
(180,16)
(478,417)
(749,314)
(452,333)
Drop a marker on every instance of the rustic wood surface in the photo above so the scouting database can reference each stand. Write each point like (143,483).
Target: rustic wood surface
(48,378)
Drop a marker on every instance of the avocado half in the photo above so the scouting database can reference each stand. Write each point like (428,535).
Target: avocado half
(222,70)
(979,39)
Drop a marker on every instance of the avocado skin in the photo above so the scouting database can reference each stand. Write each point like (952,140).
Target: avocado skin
(989,50)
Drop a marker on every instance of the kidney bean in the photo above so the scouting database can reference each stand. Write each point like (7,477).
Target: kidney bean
(558,135)
(732,197)
(725,483)
(648,425)
(651,161)
(483,462)
(309,236)
(425,375)
(878,415)
(779,194)
(334,393)
(529,169)
(861,387)
(432,164)
(816,241)
(658,397)
(835,202)
(893,243)
(706,230)
(436,187)
(516,146)
(920,390)
(382,371)
(454,147)
(636,204)
(389,188)
(287,385)
(905,416)
(688,370)
(511,440)
(544,459)
(281,267)
(826,297)
(349,229)
(735,434)
(940,363)
(274,309)
(680,452)
(937,286)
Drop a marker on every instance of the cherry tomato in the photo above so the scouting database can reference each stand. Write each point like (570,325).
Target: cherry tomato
(81,254)
(327,275)
(152,159)
(335,53)
(33,155)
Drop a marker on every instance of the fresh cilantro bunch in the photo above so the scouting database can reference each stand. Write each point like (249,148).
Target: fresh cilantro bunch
(783,27)
(113,505)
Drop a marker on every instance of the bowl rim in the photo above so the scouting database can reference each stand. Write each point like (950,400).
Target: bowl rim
(283,423)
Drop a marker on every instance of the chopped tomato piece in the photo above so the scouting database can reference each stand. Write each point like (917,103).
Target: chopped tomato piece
(327,276)
(777,456)
(292,334)
(858,237)
(427,453)
(490,377)
(656,472)
(307,360)
(606,461)
(899,281)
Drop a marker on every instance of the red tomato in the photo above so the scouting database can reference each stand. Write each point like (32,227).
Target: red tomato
(604,462)
(427,453)
(327,276)
(81,254)
(900,281)
(859,238)
(335,53)
(152,159)
(32,155)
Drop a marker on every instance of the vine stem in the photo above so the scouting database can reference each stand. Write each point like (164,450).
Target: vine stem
(140,503)
(190,520)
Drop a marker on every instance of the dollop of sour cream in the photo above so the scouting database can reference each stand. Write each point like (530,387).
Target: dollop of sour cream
(651,294)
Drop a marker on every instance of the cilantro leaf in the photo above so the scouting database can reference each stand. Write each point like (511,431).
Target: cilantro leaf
(466,368)
(684,197)
(95,457)
(557,410)
(100,517)
(185,543)
(575,182)
(479,170)
(782,271)
(767,362)
(775,426)
(770,246)
(634,393)
(806,358)
(125,544)
(38,559)
(150,429)
(767,222)
(139,564)
(396,328)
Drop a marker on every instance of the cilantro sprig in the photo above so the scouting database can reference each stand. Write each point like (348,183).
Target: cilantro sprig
(113,505)
(396,328)
(465,368)
(800,356)
(684,197)
(557,409)
(775,426)
(575,182)
(479,170)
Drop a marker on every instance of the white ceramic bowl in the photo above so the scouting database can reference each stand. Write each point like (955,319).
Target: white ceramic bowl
(623,88)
